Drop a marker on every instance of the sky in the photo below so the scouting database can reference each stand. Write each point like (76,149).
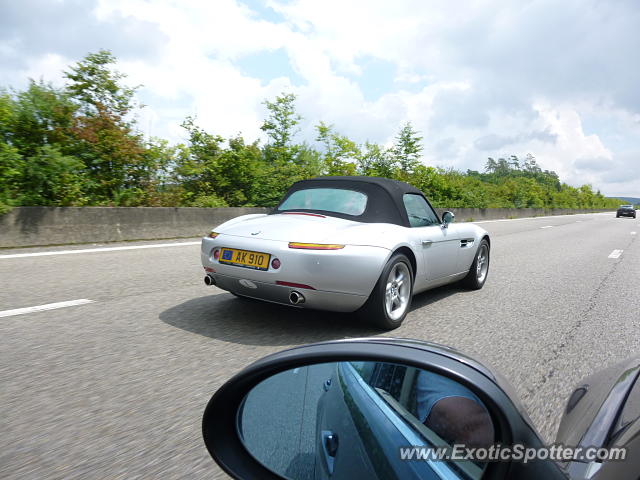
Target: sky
(557,79)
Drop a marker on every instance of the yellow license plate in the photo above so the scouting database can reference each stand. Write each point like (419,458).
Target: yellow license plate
(245,258)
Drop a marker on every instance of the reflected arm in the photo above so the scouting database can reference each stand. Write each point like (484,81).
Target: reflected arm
(461,420)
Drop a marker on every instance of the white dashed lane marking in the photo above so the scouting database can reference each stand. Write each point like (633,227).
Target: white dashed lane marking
(615,254)
(42,308)
(95,250)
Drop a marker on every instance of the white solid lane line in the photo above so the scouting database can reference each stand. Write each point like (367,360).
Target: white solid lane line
(547,226)
(94,250)
(633,233)
(615,254)
(42,308)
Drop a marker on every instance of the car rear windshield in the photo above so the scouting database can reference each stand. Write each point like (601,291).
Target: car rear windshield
(338,200)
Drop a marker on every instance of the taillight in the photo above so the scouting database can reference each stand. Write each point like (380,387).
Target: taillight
(275,263)
(315,246)
(213,235)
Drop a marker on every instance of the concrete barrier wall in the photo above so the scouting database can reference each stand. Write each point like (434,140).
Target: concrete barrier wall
(36,226)
(31,226)
(479,214)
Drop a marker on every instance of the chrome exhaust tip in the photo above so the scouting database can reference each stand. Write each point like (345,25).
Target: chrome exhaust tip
(296,298)
(209,280)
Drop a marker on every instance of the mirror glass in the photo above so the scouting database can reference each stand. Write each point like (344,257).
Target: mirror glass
(351,420)
(448,217)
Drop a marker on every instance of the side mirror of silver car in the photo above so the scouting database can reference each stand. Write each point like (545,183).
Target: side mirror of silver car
(447,218)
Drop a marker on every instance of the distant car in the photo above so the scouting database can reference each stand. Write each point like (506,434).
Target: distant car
(626,211)
(346,244)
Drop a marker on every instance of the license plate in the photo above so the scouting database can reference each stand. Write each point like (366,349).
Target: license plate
(245,258)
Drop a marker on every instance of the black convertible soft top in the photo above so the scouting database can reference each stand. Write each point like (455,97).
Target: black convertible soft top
(384,197)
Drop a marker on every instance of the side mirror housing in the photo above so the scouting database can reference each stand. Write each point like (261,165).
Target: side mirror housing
(341,412)
(447,218)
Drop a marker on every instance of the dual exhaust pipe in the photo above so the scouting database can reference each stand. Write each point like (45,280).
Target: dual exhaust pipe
(295,297)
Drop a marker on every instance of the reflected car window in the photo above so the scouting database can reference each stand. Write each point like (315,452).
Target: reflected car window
(424,399)
(411,394)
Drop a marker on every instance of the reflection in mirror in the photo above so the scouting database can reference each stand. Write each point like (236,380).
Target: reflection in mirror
(350,420)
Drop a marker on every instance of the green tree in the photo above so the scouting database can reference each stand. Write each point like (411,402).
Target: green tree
(197,166)
(407,149)
(340,153)
(11,175)
(281,126)
(96,87)
(34,128)
(104,136)
(51,178)
(237,172)
(41,115)
(113,155)
(376,161)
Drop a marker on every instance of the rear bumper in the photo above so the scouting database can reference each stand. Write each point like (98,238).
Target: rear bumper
(269,292)
(351,271)
(626,214)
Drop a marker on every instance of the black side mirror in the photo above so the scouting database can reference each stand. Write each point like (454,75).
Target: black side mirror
(447,218)
(354,408)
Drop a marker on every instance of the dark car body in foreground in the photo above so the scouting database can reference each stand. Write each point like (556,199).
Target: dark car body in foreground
(306,414)
(626,211)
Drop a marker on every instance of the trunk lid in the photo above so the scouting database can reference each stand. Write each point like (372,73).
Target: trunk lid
(305,228)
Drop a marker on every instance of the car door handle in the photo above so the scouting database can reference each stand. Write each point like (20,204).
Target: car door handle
(427,243)
(330,445)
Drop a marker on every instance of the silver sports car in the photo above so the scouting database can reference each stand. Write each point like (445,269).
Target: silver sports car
(346,244)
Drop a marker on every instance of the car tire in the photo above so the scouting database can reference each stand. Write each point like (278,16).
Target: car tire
(390,299)
(617,216)
(479,270)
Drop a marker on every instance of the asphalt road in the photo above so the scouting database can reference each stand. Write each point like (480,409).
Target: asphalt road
(116,388)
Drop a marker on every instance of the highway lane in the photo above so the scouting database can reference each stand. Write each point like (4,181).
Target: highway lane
(116,388)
